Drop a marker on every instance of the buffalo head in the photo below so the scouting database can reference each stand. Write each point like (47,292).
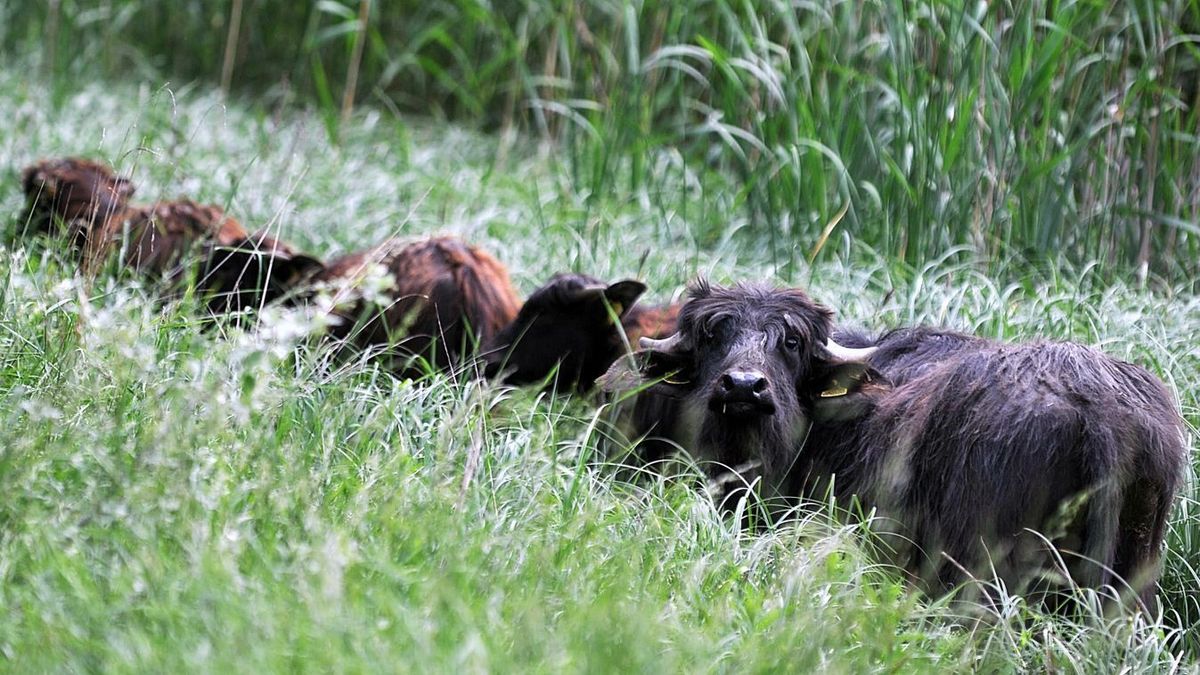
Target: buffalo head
(573,323)
(76,192)
(753,367)
(252,272)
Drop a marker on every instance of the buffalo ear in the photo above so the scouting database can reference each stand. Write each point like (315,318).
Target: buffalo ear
(622,294)
(301,266)
(247,273)
(286,266)
(123,187)
(33,181)
(842,390)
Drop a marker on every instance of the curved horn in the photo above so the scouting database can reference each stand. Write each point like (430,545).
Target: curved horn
(847,354)
(667,344)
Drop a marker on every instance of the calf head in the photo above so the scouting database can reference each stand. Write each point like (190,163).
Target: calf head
(754,367)
(78,192)
(573,324)
(252,272)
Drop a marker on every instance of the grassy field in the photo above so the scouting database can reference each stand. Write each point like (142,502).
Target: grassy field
(179,497)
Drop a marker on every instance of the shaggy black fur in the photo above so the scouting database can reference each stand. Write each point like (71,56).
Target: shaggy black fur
(777,337)
(565,324)
(963,446)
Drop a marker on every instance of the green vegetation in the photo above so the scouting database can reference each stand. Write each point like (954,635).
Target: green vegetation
(1060,127)
(177,497)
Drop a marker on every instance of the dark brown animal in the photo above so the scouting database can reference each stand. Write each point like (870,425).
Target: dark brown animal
(252,272)
(440,298)
(72,195)
(567,329)
(92,204)
(963,447)
(175,241)
(155,240)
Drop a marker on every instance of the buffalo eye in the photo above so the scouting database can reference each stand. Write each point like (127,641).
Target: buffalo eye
(791,342)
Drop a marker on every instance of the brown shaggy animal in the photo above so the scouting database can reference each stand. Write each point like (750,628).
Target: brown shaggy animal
(72,193)
(155,239)
(434,299)
(91,202)
(234,270)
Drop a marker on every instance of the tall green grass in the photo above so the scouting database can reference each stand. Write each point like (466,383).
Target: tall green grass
(179,498)
(1028,129)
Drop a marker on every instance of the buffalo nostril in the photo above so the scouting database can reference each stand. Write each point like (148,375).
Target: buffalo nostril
(745,383)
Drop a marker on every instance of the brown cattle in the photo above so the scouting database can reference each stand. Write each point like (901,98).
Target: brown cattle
(92,203)
(72,195)
(433,299)
(233,270)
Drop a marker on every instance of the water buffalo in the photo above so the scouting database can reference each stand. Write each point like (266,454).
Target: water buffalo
(568,324)
(252,272)
(72,193)
(167,240)
(92,203)
(154,240)
(964,447)
(440,297)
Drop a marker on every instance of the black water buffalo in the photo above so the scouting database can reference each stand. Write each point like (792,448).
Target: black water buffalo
(568,324)
(964,447)
(252,272)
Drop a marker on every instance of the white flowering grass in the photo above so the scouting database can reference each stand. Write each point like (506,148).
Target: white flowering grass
(179,496)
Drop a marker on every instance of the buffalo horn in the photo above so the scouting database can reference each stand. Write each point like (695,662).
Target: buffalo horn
(667,344)
(847,354)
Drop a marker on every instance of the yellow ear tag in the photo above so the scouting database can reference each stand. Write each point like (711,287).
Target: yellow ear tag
(835,392)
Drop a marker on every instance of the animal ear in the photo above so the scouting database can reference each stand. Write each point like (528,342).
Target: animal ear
(665,365)
(40,182)
(285,264)
(231,267)
(301,266)
(841,390)
(32,180)
(253,273)
(623,294)
(123,187)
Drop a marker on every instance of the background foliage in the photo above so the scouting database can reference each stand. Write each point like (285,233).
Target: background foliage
(1026,128)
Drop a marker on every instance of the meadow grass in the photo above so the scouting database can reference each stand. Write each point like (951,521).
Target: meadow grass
(179,497)
(1048,128)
